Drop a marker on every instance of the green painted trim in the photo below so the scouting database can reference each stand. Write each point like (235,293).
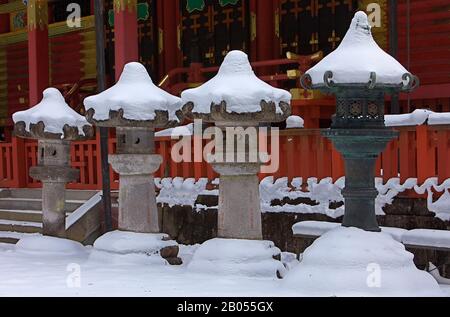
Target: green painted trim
(55,29)
(12,7)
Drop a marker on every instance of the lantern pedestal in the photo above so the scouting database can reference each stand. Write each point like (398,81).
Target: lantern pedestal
(136,162)
(54,172)
(239,202)
(360,149)
(137,201)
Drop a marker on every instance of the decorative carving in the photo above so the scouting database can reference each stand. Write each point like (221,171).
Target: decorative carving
(219,113)
(37,131)
(116,119)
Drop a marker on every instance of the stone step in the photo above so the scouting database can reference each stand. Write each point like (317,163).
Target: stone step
(12,237)
(13,203)
(25,193)
(36,193)
(23,215)
(8,240)
(20,226)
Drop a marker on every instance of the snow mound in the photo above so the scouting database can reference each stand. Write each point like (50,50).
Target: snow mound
(238,86)
(179,191)
(54,112)
(295,122)
(122,242)
(136,94)
(185,130)
(427,237)
(418,117)
(46,244)
(352,262)
(249,258)
(356,57)
(436,118)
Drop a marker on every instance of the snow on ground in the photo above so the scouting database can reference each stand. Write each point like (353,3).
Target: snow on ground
(102,274)
(237,257)
(238,86)
(136,94)
(131,242)
(54,112)
(353,262)
(31,274)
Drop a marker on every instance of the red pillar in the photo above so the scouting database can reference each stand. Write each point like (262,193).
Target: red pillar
(125,34)
(265,30)
(38,52)
(4,20)
(169,17)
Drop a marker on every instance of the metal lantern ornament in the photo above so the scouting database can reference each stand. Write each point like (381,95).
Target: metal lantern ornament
(360,74)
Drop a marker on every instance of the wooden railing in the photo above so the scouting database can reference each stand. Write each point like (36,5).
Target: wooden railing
(420,152)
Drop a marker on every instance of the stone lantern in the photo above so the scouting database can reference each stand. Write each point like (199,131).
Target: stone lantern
(360,74)
(136,107)
(357,259)
(237,103)
(54,124)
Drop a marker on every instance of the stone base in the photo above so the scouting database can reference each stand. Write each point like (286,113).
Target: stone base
(251,258)
(349,262)
(151,244)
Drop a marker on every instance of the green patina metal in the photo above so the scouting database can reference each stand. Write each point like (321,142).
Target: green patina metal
(359,133)
(143,13)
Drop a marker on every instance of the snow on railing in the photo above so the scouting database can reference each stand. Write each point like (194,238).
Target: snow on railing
(420,152)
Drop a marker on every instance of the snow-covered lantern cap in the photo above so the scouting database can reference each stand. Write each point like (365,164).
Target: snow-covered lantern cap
(52,118)
(360,73)
(134,101)
(236,94)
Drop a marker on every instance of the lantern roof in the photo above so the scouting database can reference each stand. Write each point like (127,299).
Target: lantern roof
(52,118)
(134,98)
(359,60)
(237,88)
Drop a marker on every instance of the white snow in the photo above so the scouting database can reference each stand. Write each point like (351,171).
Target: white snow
(24,273)
(314,228)
(427,237)
(319,228)
(122,242)
(356,57)
(251,258)
(436,118)
(179,191)
(295,122)
(54,112)
(83,209)
(44,244)
(238,86)
(185,192)
(417,117)
(185,130)
(352,262)
(136,94)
